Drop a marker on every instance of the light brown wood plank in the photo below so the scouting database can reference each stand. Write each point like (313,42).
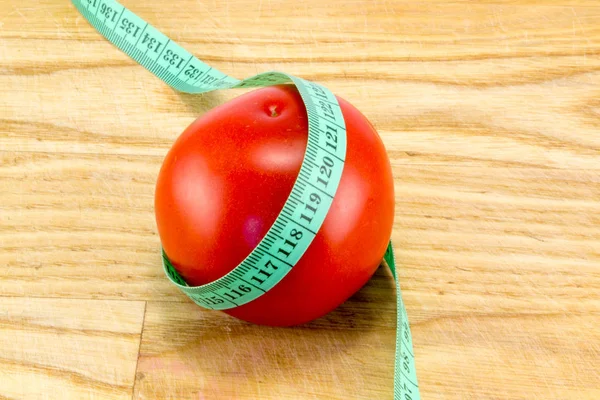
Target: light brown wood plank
(80,226)
(509,356)
(66,349)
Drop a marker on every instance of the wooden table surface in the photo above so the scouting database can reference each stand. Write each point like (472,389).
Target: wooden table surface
(490,111)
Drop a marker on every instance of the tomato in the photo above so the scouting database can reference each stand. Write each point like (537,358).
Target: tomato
(226,179)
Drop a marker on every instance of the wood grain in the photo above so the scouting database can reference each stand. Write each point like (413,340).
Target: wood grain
(57,348)
(490,112)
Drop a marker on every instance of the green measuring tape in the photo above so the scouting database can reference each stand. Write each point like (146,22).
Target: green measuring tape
(312,194)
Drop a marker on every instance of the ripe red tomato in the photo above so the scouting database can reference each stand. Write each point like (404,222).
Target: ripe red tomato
(225,180)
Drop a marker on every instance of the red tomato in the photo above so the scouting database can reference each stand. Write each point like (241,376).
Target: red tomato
(226,179)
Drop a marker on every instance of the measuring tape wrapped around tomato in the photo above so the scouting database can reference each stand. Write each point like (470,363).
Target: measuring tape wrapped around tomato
(276,206)
(225,181)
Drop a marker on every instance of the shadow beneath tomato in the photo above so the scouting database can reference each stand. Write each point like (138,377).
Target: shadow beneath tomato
(371,307)
(346,354)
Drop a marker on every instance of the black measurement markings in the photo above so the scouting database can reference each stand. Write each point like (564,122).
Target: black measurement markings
(215,83)
(254,259)
(310,162)
(292,202)
(291,239)
(316,144)
(290,219)
(278,227)
(215,299)
(153,44)
(334,121)
(137,41)
(209,80)
(201,74)
(128,27)
(326,168)
(327,100)
(239,291)
(295,197)
(326,116)
(407,396)
(407,348)
(160,54)
(91,2)
(331,136)
(118,19)
(258,254)
(331,154)
(106,12)
(265,271)
(308,182)
(317,90)
(239,271)
(279,259)
(408,379)
(185,65)
(172,57)
(253,285)
(304,173)
(287,212)
(311,153)
(269,241)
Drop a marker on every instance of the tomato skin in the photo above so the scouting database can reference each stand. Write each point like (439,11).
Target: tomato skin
(225,180)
